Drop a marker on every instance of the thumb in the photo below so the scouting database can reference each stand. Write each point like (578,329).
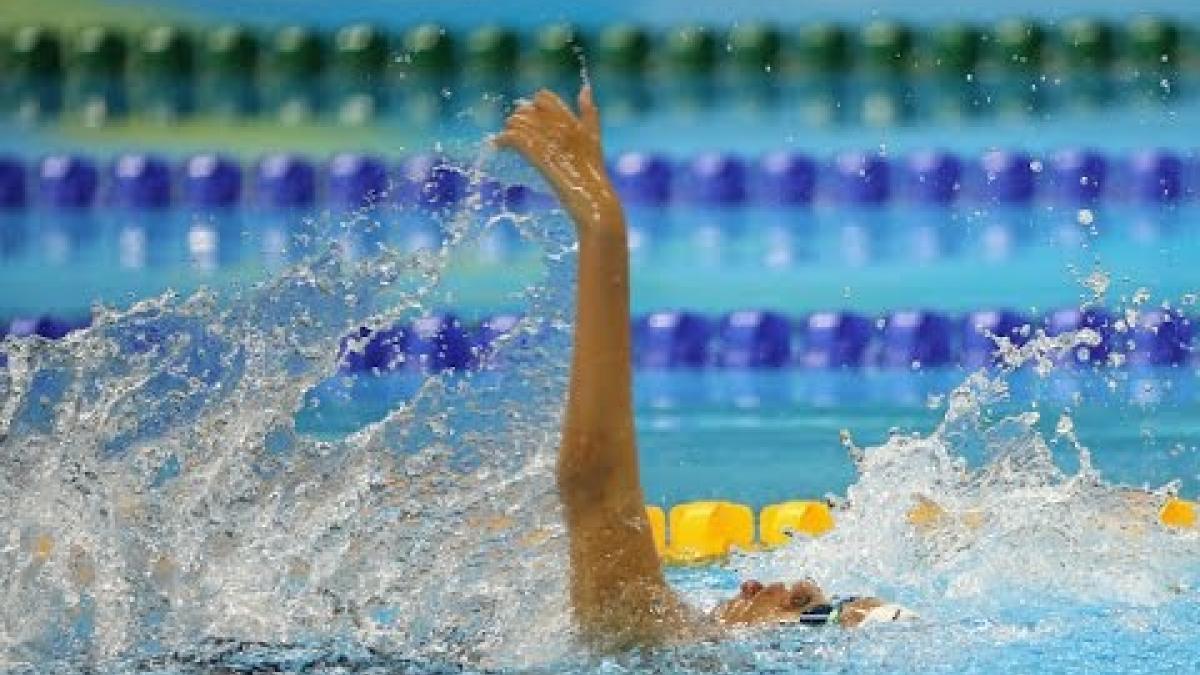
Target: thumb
(588,113)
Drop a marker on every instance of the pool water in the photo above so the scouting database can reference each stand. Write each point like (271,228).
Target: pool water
(420,533)
(702,258)
(199,482)
(759,437)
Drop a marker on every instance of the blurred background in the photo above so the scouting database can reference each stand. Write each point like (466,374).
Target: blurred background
(830,203)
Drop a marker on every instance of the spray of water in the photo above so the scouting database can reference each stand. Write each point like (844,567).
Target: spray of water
(154,489)
(921,524)
(158,502)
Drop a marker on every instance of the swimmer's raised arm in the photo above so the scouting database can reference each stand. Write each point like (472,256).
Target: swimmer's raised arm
(619,596)
(618,592)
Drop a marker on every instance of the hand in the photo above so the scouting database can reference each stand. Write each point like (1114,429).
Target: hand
(566,150)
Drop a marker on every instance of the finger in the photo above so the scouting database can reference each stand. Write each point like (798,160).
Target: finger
(523,117)
(509,140)
(536,128)
(530,150)
(528,146)
(524,108)
(547,100)
(588,113)
(537,115)
(519,139)
(527,140)
(527,127)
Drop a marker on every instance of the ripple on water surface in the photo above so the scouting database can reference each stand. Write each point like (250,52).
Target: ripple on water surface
(163,514)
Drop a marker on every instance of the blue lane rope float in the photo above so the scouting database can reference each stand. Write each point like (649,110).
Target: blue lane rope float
(1068,177)
(754,339)
(214,181)
(903,339)
(1071,178)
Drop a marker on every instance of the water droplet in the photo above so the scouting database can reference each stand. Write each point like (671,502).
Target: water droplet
(1098,282)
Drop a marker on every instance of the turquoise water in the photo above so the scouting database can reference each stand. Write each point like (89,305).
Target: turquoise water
(710,260)
(191,487)
(222,499)
(763,436)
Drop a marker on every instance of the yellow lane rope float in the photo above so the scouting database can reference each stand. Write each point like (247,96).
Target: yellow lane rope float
(707,531)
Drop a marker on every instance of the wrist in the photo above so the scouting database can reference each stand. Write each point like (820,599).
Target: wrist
(605,228)
(597,209)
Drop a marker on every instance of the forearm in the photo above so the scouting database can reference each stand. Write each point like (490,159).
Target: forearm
(601,385)
(599,447)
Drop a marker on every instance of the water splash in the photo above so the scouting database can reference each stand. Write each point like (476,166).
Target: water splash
(155,489)
(161,507)
(922,525)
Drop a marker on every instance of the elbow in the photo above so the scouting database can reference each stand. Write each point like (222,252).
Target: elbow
(595,468)
(586,486)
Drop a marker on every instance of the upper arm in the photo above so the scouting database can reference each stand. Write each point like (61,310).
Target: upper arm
(618,590)
(611,540)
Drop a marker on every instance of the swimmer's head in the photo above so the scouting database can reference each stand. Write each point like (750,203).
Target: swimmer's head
(759,603)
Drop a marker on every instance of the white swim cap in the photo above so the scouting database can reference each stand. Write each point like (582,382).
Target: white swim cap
(889,613)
